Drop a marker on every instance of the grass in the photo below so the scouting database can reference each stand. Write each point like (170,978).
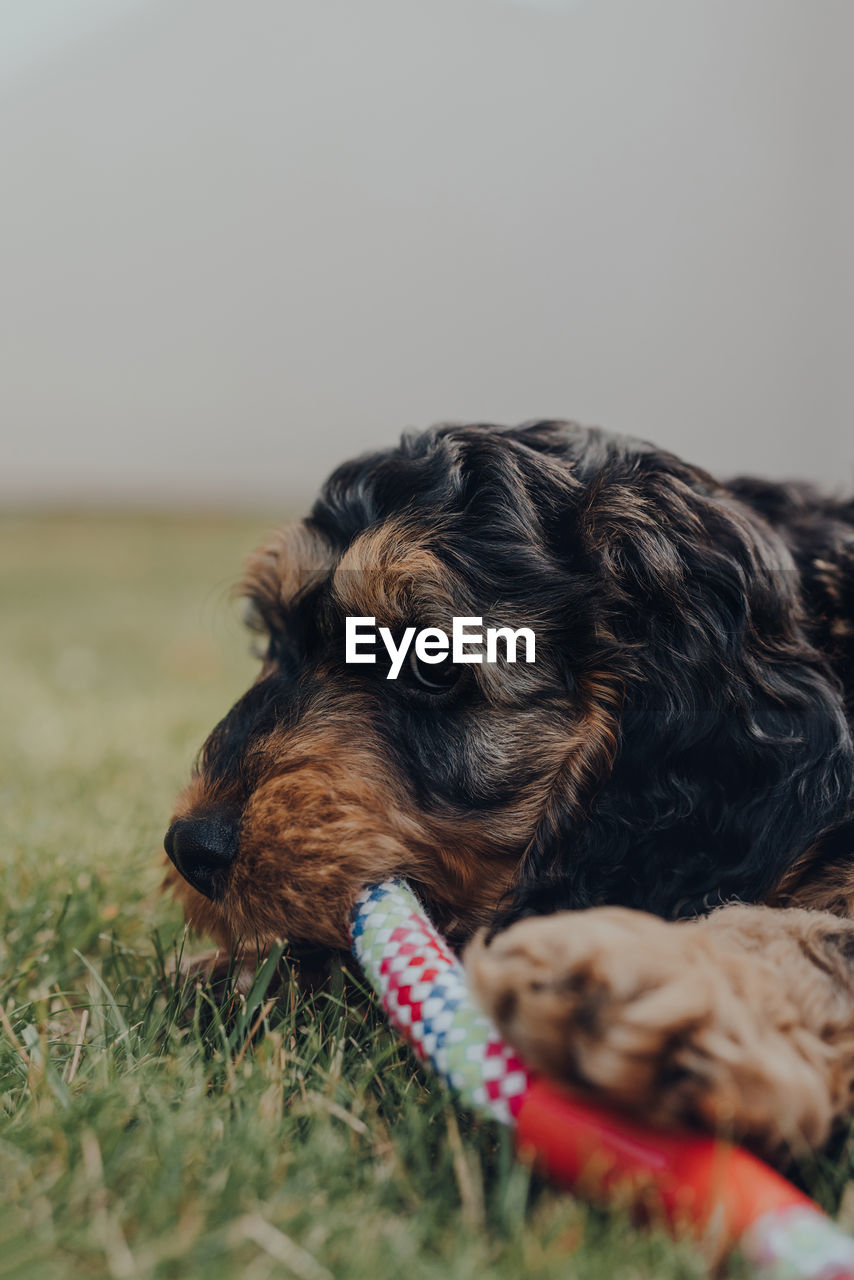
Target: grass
(142,1132)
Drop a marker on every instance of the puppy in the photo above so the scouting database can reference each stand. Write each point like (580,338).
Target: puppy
(650,828)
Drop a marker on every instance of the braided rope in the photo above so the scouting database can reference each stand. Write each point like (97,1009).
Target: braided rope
(423,990)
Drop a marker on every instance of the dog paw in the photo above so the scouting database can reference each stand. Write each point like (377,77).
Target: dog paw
(680,1023)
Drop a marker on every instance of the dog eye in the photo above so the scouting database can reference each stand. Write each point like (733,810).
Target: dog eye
(436,677)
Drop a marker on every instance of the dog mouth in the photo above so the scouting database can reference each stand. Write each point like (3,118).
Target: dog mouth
(202,850)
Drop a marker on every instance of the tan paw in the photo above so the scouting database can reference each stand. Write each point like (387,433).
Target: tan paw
(683,1024)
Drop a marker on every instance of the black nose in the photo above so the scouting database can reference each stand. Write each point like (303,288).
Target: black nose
(202,849)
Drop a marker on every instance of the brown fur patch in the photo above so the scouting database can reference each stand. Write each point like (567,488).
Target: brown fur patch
(329,816)
(293,558)
(817,888)
(390,574)
(584,758)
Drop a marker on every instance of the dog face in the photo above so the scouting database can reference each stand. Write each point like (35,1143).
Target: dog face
(644,758)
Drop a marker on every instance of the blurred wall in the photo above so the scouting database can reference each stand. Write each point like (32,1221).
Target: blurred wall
(242,240)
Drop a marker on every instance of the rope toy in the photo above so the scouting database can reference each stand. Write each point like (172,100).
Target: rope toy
(698,1185)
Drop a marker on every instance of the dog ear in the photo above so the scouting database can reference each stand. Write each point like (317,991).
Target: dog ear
(710,750)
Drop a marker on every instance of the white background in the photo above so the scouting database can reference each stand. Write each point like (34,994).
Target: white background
(241,240)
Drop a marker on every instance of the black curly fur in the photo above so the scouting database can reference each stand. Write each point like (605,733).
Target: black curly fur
(725,613)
